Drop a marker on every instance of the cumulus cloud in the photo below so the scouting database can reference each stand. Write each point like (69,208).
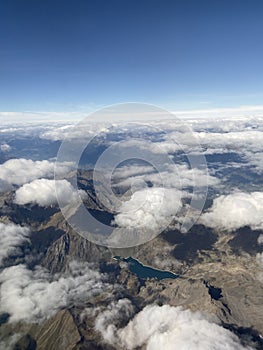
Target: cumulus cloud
(230,212)
(115,313)
(170,328)
(11,237)
(33,296)
(149,208)
(21,171)
(5,147)
(44,192)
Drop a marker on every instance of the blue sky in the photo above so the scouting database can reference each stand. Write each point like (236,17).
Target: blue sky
(77,55)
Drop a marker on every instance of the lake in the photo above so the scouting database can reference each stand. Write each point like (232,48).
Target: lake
(145,272)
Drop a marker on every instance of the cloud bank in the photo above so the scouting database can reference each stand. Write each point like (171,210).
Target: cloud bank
(149,208)
(33,296)
(21,171)
(115,313)
(230,212)
(169,328)
(44,192)
(11,237)
(178,176)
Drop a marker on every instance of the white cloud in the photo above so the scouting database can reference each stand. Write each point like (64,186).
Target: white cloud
(5,147)
(243,136)
(255,159)
(21,171)
(57,133)
(10,342)
(239,140)
(228,112)
(178,176)
(87,130)
(44,116)
(246,142)
(115,313)
(208,131)
(260,239)
(11,237)
(132,170)
(169,328)
(149,208)
(33,296)
(230,212)
(44,192)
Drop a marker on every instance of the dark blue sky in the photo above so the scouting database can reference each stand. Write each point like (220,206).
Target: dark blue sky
(70,55)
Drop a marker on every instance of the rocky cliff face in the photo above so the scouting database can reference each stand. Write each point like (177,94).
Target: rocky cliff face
(70,246)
